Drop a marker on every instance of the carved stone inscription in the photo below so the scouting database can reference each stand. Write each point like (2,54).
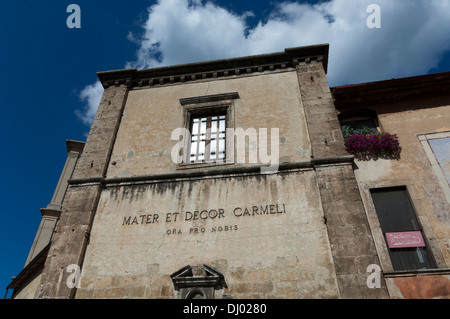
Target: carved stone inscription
(176,221)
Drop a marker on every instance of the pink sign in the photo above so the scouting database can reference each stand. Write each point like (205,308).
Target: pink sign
(405,239)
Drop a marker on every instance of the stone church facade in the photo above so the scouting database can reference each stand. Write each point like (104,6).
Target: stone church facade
(231,179)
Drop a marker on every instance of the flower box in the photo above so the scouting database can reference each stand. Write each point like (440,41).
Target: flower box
(373,145)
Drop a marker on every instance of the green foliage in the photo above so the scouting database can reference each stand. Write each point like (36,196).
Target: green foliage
(348,131)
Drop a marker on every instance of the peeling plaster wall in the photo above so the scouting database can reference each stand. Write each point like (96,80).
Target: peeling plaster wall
(420,287)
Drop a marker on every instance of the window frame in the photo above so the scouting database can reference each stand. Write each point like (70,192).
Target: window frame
(210,105)
(360,115)
(424,139)
(360,119)
(377,233)
(400,257)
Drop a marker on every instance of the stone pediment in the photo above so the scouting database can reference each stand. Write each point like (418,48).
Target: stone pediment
(197,282)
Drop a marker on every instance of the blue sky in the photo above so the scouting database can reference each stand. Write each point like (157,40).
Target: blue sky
(49,89)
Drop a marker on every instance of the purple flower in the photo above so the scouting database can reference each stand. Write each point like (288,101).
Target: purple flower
(368,145)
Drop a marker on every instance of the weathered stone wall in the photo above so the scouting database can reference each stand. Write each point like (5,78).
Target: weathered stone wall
(351,240)
(323,126)
(80,203)
(350,237)
(139,152)
(280,255)
(271,100)
(270,244)
(132,217)
(299,233)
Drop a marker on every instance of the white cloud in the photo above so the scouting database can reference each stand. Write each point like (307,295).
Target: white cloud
(412,38)
(91,95)
(184,31)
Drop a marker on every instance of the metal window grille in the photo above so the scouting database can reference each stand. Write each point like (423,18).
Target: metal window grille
(208,138)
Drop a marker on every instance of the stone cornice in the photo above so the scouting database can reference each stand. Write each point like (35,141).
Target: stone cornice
(210,172)
(209,70)
(75,146)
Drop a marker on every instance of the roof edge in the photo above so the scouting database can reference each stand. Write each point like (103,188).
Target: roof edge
(347,96)
(290,57)
(29,269)
(393,83)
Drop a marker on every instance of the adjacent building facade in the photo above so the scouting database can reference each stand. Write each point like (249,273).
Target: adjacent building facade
(407,194)
(231,179)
